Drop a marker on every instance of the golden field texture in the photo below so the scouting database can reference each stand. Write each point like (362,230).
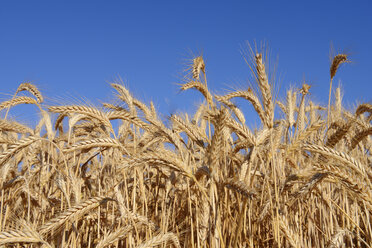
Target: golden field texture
(302,179)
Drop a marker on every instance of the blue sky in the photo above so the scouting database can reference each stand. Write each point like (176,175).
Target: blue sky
(72,49)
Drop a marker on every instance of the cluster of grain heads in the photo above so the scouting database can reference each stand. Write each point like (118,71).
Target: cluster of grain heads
(206,180)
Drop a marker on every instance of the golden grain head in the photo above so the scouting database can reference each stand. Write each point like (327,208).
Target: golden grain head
(305,89)
(197,67)
(336,62)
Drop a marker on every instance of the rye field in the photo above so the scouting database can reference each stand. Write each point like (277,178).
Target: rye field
(122,175)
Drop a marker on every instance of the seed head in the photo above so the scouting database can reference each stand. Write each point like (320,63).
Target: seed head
(305,89)
(336,62)
(198,65)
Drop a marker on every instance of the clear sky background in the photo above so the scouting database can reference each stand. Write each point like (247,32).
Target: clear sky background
(72,49)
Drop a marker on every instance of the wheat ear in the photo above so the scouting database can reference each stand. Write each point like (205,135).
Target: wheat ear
(362,108)
(359,136)
(338,135)
(16,101)
(73,213)
(198,66)
(264,85)
(292,236)
(13,126)
(240,187)
(88,111)
(160,239)
(32,89)
(290,107)
(17,236)
(100,142)
(341,156)
(202,88)
(336,62)
(116,235)
(20,144)
(252,98)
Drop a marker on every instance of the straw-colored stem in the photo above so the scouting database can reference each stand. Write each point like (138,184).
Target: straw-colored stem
(329,103)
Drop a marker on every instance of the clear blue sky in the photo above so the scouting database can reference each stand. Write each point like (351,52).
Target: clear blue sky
(73,48)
